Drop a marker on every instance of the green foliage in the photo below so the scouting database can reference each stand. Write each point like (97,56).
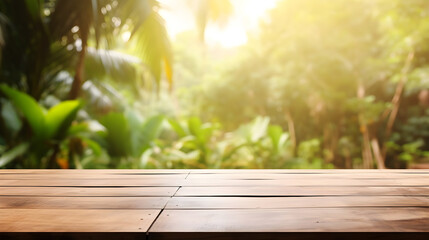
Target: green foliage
(52,124)
(319,85)
(47,127)
(13,153)
(118,134)
(60,33)
(322,73)
(128,137)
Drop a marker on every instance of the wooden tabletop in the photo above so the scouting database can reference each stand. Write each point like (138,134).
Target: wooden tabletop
(214,204)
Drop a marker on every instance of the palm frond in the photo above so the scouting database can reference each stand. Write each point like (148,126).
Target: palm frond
(69,14)
(152,44)
(111,64)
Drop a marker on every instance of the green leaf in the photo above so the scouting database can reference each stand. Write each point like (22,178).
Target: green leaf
(13,153)
(151,130)
(134,122)
(94,146)
(29,108)
(259,128)
(11,118)
(34,7)
(153,45)
(277,136)
(194,125)
(60,117)
(118,134)
(100,64)
(177,127)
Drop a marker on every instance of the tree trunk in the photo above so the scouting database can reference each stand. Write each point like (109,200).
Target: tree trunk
(377,153)
(78,78)
(366,149)
(367,159)
(396,101)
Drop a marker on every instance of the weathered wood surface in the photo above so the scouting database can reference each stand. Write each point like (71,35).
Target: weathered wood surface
(214,204)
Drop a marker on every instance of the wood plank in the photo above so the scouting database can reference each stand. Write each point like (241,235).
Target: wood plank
(301,191)
(293,220)
(155,182)
(96,171)
(288,235)
(82,176)
(294,202)
(74,220)
(213,182)
(311,171)
(225,176)
(263,175)
(88,191)
(83,202)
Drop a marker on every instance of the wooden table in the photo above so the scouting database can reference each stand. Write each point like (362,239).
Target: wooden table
(214,204)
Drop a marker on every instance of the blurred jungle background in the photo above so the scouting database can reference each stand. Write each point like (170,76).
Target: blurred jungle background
(214,83)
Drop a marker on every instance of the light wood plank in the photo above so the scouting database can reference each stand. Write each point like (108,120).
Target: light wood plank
(83,202)
(295,202)
(311,171)
(291,176)
(60,182)
(96,171)
(88,191)
(83,176)
(293,220)
(302,191)
(74,220)
(310,181)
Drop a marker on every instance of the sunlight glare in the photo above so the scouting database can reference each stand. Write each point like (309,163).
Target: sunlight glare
(245,18)
(126,36)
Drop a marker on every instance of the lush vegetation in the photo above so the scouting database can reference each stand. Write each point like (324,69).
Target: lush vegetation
(343,84)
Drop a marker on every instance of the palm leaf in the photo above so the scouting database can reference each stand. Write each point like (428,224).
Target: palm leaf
(59,118)
(100,64)
(118,134)
(13,153)
(153,46)
(29,108)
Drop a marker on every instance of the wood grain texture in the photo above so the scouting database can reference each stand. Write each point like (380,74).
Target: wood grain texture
(214,204)
(288,235)
(96,171)
(74,220)
(311,171)
(263,175)
(88,191)
(82,176)
(309,181)
(294,220)
(60,182)
(295,202)
(83,202)
(302,191)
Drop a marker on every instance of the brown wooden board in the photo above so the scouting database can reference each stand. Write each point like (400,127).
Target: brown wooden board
(295,202)
(292,176)
(288,235)
(96,171)
(310,181)
(213,204)
(76,220)
(311,171)
(294,220)
(60,182)
(88,191)
(83,202)
(82,176)
(302,191)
